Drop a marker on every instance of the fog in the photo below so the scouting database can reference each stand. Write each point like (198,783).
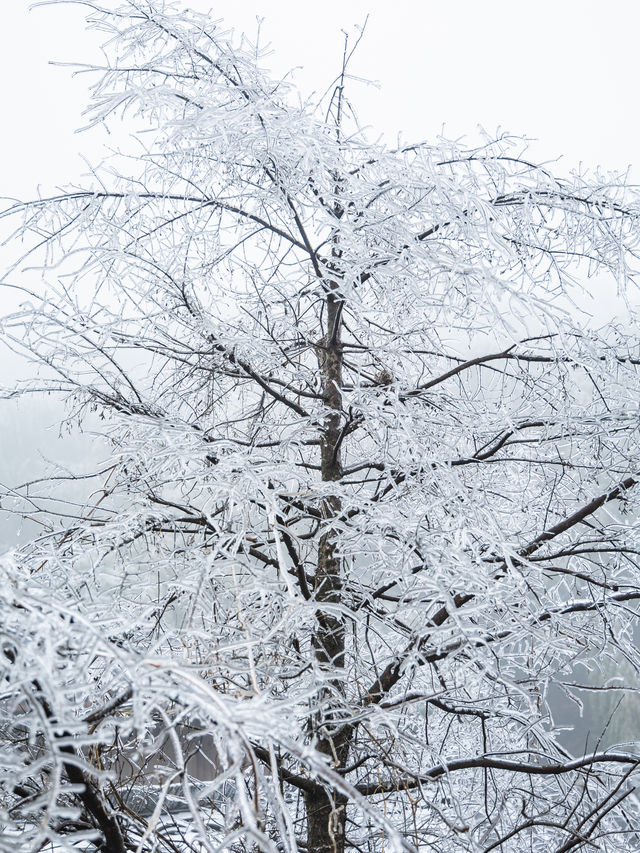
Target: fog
(564,74)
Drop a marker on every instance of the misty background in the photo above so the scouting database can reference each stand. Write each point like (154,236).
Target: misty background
(564,74)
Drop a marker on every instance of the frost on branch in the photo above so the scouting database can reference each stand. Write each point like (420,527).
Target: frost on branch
(99,743)
(370,485)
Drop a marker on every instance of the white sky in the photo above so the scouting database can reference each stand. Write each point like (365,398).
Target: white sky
(562,71)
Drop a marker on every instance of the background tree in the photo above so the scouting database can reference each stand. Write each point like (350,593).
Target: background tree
(371,484)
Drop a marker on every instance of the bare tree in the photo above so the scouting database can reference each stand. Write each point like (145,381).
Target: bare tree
(371,487)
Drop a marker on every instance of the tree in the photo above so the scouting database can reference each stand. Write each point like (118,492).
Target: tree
(371,485)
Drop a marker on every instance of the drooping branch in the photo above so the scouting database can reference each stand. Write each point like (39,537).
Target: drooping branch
(487,762)
(393,671)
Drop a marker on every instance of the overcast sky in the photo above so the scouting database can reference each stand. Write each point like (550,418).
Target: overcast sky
(564,72)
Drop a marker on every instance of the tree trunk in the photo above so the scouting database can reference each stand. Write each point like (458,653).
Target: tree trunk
(326,810)
(326,814)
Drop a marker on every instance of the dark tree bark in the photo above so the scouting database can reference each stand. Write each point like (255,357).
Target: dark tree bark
(326,810)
